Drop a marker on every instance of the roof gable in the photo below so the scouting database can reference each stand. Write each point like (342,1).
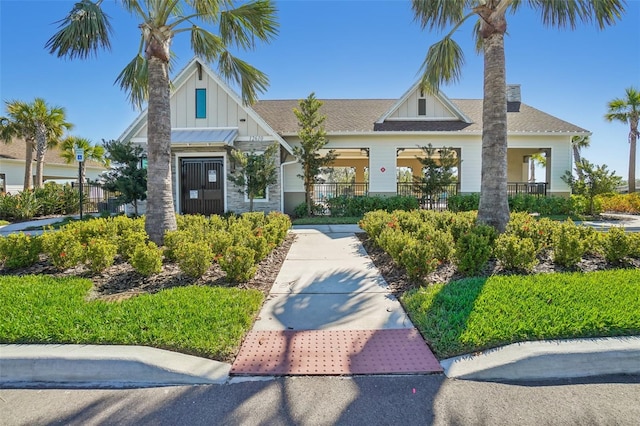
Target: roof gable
(437,107)
(224,108)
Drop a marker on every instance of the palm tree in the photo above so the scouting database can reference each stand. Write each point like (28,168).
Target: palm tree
(627,110)
(444,60)
(86,30)
(534,160)
(91,152)
(577,144)
(41,127)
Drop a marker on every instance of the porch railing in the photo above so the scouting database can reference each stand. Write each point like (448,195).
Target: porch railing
(324,191)
(538,189)
(436,201)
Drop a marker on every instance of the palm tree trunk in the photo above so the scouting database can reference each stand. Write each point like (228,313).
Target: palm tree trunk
(494,207)
(160,216)
(28,164)
(532,169)
(41,148)
(578,160)
(633,137)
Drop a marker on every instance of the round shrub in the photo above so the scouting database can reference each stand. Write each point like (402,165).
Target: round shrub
(238,263)
(568,245)
(194,258)
(63,248)
(473,250)
(515,253)
(146,259)
(19,250)
(616,245)
(100,254)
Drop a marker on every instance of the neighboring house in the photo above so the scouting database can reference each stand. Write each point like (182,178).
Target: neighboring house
(374,137)
(12,162)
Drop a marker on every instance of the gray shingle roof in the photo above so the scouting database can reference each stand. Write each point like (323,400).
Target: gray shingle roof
(360,115)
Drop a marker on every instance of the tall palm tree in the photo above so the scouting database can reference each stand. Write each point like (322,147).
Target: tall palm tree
(577,144)
(444,60)
(534,160)
(86,30)
(41,126)
(91,152)
(627,110)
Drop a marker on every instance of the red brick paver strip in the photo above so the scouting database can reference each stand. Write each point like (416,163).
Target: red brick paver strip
(335,352)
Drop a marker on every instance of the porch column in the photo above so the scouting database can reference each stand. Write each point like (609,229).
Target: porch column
(382,170)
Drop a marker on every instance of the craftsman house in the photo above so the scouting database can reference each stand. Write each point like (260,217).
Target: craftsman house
(374,138)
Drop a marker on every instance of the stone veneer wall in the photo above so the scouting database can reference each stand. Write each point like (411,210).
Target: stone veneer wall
(236,200)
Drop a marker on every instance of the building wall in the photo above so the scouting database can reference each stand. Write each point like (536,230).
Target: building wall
(409,108)
(60,173)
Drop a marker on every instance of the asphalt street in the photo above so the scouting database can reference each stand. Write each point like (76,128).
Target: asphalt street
(363,400)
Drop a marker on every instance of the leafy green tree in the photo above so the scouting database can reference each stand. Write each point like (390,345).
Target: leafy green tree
(627,110)
(445,58)
(255,172)
(91,152)
(87,29)
(312,139)
(596,180)
(126,177)
(40,125)
(437,166)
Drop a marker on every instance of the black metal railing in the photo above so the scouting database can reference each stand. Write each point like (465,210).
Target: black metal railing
(96,199)
(538,189)
(436,201)
(324,191)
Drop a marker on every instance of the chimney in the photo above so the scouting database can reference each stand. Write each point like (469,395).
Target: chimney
(513,98)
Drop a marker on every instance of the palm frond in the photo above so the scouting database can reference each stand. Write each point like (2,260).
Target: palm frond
(242,25)
(208,10)
(133,79)
(439,14)
(205,44)
(567,13)
(443,64)
(83,32)
(250,79)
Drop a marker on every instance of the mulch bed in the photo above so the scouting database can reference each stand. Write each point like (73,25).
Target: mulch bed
(121,281)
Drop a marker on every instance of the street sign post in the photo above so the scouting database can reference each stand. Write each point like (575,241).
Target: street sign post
(80,159)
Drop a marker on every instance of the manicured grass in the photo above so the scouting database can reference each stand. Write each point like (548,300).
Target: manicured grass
(479,313)
(326,220)
(198,320)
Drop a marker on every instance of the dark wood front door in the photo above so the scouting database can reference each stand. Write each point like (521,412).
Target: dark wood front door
(202,186)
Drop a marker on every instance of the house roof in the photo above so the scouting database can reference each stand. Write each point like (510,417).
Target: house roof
(216,135)
(360,115)
(16,151)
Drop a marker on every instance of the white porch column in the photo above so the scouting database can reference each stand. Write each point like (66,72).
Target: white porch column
(382,170)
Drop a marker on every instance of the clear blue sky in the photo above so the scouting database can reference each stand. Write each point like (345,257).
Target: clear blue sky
(339,49)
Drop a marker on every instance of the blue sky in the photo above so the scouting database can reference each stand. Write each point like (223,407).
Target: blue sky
(339,49)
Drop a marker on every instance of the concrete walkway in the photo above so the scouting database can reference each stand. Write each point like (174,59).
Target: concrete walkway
(327,283)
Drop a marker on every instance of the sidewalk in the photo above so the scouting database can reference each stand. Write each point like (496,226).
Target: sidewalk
(328,293)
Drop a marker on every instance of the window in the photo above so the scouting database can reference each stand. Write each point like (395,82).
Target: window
(422,106)
(201,103)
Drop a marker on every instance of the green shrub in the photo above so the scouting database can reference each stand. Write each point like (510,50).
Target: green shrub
(194,258)
(440,241)
(359,205)
(374,222)
(461,223)
(100,254)
(238,263)
(463,203)
(616,245)
(523,225)
(19,250)
(418,258)
(23,206)
(568,246)
(301,210)
(634,244)
(515,253)
(63,248)
(173,240)
(260,246)
(473,250)
(219,241)
(146,259)
(393,242)
(128,241)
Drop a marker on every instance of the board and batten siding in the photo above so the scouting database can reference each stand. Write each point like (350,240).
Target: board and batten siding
(222,109)
(409,108)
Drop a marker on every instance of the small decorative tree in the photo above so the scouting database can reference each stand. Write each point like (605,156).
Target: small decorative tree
(126,177)
(312,138)
(596,180)
(255,172)
(438,165)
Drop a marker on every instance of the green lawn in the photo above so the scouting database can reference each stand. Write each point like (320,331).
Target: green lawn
(479,313)
(197,320)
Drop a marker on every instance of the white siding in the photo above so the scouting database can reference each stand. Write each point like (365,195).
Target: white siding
(409,108)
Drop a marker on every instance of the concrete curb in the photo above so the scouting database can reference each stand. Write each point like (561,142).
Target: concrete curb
(105,365)
(549,359)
